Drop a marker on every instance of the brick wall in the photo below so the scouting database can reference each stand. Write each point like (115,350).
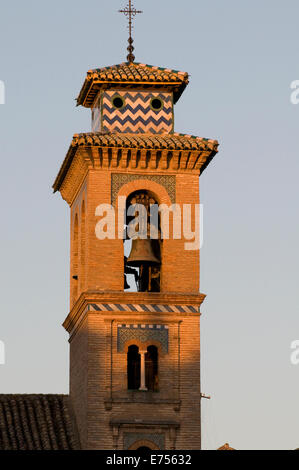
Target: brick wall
(98,371)
(99,380)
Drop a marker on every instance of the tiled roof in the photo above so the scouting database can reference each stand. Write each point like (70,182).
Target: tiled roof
(141,141)
(146,141)
(226,447)
(36,422)
(128,74)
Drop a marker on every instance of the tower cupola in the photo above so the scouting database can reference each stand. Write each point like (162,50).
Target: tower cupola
(132,98)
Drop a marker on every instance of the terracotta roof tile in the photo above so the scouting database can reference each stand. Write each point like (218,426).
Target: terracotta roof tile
(147,141)
(127,74)
(36,422)
(226,447)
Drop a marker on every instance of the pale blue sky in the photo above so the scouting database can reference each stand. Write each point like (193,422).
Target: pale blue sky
(242,57)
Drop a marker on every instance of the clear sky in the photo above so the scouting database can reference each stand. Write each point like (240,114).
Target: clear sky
(242,57)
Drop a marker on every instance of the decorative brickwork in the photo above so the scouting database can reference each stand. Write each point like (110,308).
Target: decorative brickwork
(155,308)
(137,115)
(119,179)
(164,152)
(143,334)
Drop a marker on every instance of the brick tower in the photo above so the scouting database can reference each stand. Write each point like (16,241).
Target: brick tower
(134,353)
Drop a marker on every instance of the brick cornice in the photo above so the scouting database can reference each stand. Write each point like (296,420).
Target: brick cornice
(90,151)
(79,310)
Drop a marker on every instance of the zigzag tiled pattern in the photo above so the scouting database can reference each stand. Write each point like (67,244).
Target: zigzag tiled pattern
(137,115)
(96,115)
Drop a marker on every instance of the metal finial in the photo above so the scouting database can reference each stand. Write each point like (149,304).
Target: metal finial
(130,11)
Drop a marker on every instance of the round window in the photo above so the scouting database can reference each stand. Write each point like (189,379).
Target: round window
(157,104)
(118,102)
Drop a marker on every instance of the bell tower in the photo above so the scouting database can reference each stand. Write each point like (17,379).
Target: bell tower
(134,321)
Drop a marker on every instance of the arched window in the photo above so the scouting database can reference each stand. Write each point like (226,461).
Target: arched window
(133,368)
(143,369)
(151,369)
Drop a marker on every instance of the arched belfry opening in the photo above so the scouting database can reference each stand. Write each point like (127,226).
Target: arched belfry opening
(143,243)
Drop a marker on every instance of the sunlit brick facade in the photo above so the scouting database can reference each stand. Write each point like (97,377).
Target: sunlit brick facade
(105,320)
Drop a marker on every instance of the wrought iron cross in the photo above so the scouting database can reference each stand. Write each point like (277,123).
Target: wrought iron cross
(130,11)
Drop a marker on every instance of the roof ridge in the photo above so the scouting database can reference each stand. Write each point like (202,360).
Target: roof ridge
(138,64)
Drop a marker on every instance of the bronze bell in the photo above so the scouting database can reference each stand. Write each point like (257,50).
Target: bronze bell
(142,253)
